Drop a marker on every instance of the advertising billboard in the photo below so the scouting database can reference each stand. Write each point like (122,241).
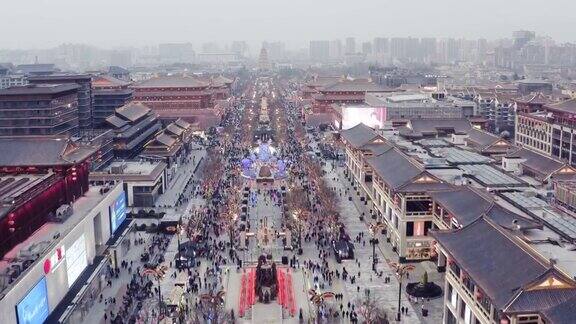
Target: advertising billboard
(117,213)
(33,308)
(76,259)
(370,116)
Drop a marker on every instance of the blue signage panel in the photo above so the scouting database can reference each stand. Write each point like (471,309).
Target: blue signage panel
(118,212)
(33,308)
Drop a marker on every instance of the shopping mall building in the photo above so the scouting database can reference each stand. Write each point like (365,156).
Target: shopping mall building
(58,234)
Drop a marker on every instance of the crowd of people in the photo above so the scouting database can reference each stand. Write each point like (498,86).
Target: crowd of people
(216,190)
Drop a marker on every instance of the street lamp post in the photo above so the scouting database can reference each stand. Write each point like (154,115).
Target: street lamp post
(179,229)
(399,314)
(231,234)
(401,271)
(374,229)
(374,242)
(300,234)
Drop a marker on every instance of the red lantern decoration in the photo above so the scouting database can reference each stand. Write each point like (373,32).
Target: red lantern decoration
(47,266)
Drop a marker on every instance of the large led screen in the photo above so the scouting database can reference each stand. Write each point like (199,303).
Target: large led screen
(33,308)
(118,213)
(370,116)
(76,259)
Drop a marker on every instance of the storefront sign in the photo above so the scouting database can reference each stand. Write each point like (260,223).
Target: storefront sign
(54,260)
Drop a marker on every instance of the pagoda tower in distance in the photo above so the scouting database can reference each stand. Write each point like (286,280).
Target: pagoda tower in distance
(263,62)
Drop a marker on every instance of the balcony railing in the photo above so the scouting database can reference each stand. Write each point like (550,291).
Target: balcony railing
(471,298)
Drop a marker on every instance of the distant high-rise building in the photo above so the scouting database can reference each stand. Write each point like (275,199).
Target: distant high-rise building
(176,53)
(366,48)
(481,49)
(449,50)
(276,50)
(350,45)
(211,47)
(121,58)
(239,48)
(380,45)
(413,52)
(398,48)
(319,50)
(522,37)
(336,50)
(428,49)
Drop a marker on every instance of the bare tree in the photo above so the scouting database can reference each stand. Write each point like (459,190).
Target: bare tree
(369,310)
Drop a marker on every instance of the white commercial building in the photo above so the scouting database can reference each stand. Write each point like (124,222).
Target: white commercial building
(53,259)
(143,181)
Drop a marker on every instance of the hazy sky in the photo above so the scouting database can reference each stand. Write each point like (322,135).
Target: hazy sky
(109,23)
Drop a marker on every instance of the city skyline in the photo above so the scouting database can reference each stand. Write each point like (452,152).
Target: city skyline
(241,162)
(254,21)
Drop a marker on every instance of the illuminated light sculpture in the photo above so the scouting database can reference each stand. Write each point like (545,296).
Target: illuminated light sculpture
(263,164)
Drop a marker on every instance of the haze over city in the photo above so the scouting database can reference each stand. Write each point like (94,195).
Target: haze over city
(111,23)
(287,162)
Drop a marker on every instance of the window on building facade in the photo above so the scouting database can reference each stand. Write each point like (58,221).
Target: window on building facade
(528,319)
(409,229)
(417,206)
(463,307)
(450,319)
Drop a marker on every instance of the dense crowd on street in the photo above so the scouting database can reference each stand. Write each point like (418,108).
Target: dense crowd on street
(210,199)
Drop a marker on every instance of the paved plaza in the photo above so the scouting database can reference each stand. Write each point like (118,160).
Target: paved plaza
(187,198)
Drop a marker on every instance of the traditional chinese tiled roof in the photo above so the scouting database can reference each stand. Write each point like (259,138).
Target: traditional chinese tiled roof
(182,123)
(483,140)
(41,151)
(171,82)
(174,129)
(568,106)
(358,85)
(537,162)
(133,111)
(39,89)
(359,135)
(537,98)
(402,174)
(116,121)
(497,262)
(106,81)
